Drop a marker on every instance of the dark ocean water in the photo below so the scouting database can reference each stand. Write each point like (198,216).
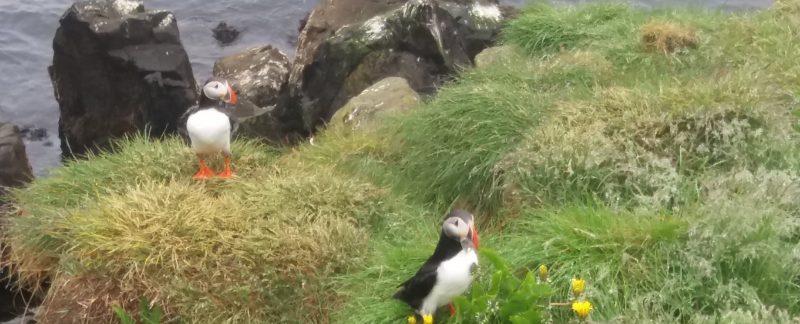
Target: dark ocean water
(27,28)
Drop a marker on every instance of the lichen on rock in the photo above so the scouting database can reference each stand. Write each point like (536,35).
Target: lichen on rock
(342,53)
(385,97)
(259,75)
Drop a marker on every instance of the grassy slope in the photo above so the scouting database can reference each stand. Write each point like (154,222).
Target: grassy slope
(669,181)
(666,180)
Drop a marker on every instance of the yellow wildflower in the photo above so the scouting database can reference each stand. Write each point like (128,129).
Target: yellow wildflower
(543,273)
(427,319)
(412,319)
(578,286)
(582,308)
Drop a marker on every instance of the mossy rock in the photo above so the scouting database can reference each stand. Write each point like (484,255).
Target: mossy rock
(339,56)
(389,95)
(495,55)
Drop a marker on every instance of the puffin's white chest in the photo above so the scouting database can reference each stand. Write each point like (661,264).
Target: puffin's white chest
(453,278)
(209,131)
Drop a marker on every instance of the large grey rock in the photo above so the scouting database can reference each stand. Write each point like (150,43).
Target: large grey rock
(347,46)
(15,171)
(118,68)
(259,75)
(388,96)
(495,55)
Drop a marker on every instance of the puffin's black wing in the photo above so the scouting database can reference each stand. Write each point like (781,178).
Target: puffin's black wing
(182,132)
(415,289)
(244,110)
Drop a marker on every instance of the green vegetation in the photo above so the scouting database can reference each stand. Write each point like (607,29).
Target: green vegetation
(655,154)
(130,224)
(508,300)
(148,314)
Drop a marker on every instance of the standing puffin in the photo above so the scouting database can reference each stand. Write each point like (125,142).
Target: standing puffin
(448,272)
(208,125)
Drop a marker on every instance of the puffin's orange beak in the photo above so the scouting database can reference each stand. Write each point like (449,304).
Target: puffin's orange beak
(476,240)
(231,96)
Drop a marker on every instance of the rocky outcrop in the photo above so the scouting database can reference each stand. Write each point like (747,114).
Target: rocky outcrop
(388,96)
(117,69)
(259,75)
(224,34)
(15,171)
(494,55)
(346,47)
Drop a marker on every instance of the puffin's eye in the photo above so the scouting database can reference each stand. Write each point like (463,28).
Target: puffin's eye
(456,222)
(216,86)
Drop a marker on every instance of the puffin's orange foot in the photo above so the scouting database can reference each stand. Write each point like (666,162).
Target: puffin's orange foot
(452,309)
(203,173)
(226,174)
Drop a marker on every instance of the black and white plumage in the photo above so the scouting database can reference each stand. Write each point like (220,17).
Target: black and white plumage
(209,125)
(448,272)
(237,111)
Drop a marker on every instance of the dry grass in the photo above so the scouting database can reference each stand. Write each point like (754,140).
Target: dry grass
(85,299)
(667,37)
(247,250)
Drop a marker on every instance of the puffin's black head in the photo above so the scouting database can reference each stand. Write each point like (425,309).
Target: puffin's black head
(219,89)
(459,225)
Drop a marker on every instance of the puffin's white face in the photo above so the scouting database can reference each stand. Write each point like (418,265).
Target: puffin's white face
(216,90)
(461,229)
(455,228)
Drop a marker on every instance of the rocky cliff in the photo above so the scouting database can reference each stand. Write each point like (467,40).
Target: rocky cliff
(118,68)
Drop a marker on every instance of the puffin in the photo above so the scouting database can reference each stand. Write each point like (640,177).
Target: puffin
(209,125)
(448,272)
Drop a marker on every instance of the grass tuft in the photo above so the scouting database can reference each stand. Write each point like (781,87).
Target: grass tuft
(667,37)
(215,251)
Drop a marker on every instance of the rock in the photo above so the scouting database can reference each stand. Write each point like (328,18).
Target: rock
(116,69)
(259,75)
(15,171)
(302,23)
(494,55)
(389,95)
(346,47)
(224,34)
(34,134)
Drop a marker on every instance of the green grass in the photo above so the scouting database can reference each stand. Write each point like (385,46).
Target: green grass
(654,154)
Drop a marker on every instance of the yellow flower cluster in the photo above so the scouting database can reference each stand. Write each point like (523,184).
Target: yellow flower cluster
(543,273)
(582,308)
(577,301)
(578,286)
(580,305)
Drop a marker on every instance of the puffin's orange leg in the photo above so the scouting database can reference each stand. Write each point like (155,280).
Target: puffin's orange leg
(226,173)
(452,309)
(204,172)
